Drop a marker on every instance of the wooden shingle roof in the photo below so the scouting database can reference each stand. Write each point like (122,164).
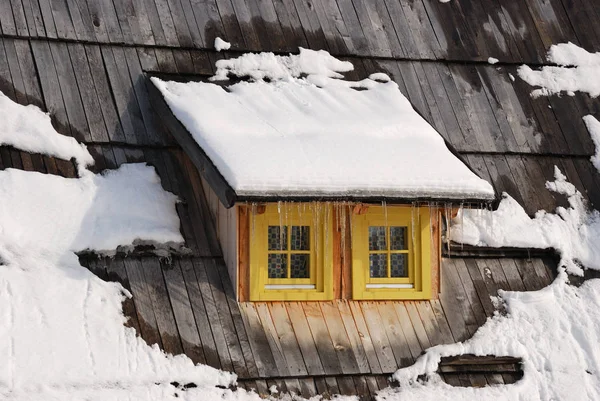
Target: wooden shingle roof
(87,63)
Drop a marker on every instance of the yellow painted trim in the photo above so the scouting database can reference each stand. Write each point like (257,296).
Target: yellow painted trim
(418,221)
(320,219)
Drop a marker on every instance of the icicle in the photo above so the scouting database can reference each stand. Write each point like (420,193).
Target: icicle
(253,221)
(413,223)
(432,220)
(462,225)
(281,224)
(350,210)
(447,233)
(385,214)
(342,211)
(316,209)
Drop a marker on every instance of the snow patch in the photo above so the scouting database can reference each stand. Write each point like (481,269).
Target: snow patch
(555,330)
(380,76)
(95,212)
(61,327)
(28,128)
(574,231)
(220,44)
(269,66)
(577,72)
(492,60)
(593,126)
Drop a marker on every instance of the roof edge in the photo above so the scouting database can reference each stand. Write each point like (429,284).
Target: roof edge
(205,166)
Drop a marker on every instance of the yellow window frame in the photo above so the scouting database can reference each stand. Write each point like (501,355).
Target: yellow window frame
(419,254)
(319,217)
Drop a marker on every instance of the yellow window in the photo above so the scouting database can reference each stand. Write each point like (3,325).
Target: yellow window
(391,253)
(291,253)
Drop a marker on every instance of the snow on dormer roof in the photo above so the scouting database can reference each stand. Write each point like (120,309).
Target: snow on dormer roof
(298,130)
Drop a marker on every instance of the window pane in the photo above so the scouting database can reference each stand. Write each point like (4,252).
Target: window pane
(300,238)
(378,265)
(398,238)
(277,238)
(277,264)
(399,265)
(300,266)
(377,238)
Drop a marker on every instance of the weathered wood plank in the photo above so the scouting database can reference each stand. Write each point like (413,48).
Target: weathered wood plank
(201,203)
(213,315)
(14,71)
(456,304)
(229,330)
(151,135)
(103,90)
(478,108)
(161,306)
(478,312)
(287,339)
(410,333)
(339,337)
(395,334)
(236,316)
(122,93)
(142,302)
(110,20)
(51,89)
(355,338)
(272,338)
(381,343)
(480,287)
(310,25)
(365,336)
(191,221)
(305,340)
(7,21)
(184,316)
(203,323)
(322,338)
(265,362)
(87,91)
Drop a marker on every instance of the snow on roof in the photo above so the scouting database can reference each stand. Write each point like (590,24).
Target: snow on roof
(304,133)
(29,128)
(574,231)
(583,77)
(62,328)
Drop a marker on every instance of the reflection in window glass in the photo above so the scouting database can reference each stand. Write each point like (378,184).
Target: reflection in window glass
(377,240)
(398,265)
(398,238)
(277,238)
(300,238)
(300,266)
(378,265)
(277,265)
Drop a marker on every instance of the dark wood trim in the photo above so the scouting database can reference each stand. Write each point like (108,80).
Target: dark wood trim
(455,250)
(243,233)
(205,166)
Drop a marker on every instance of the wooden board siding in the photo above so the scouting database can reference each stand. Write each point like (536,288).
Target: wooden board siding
(87,63)
(187,306)
(99,94)
(518,31)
